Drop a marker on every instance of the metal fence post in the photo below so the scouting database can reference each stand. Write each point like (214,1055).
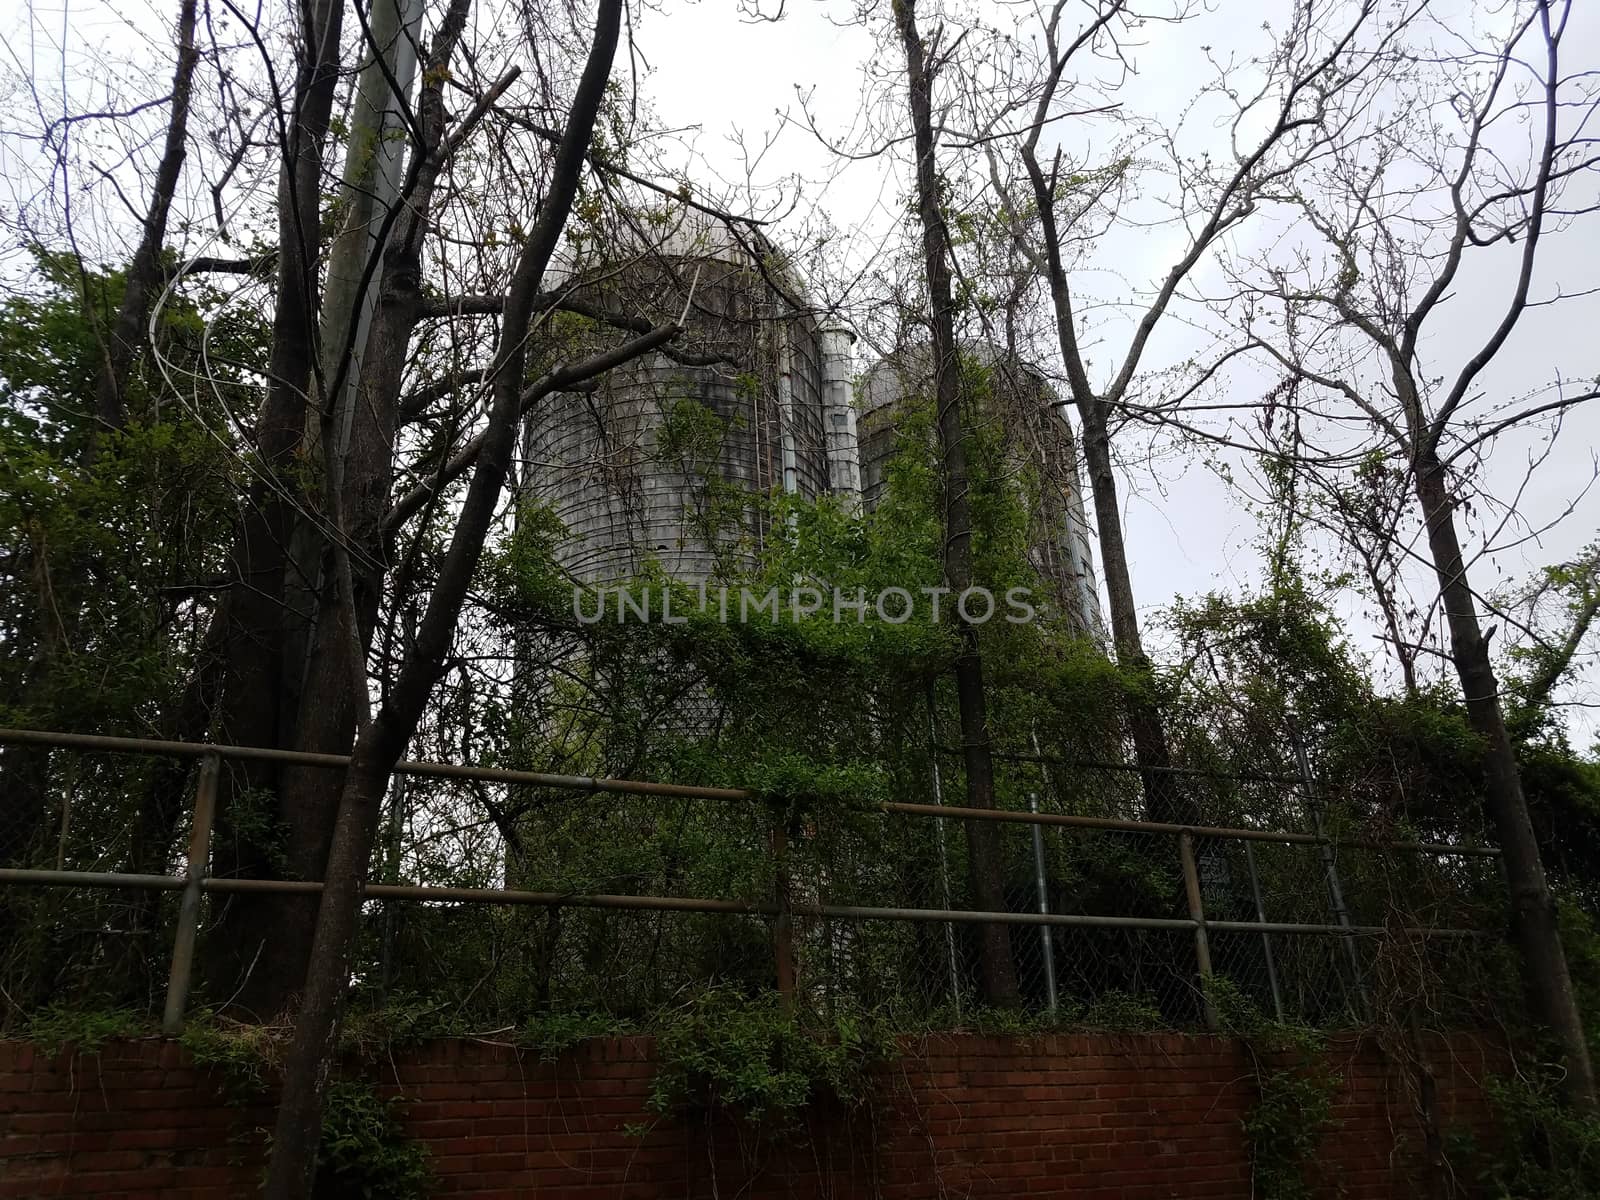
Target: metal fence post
(783,922)
(1266,938)
(1041,886)
(1330,868)
(944,865)
(1046,934)
(1197,914)
(393,838)
(205,807)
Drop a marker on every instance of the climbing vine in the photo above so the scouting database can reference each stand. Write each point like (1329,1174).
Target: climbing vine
(364,1151)
(1295,1092)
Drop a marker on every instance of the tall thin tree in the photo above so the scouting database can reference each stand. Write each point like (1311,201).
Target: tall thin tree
(986,865)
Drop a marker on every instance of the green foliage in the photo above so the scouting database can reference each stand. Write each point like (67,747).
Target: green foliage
(748,1057)
(822,719)
(1285,1128)
(1544,1149)
(243,1057)
(364,1151)
(1295,1093)
(1563,794)
(998,1022)
(1120,1012)
(794,786)
(551,1035)
(690,441)
(110,541)
(247,1057)
(97,542)
(371,1030)
(1537,668)
(60,1027)
(527,567)
(1580,938)
(1113,1011)
(1281,651)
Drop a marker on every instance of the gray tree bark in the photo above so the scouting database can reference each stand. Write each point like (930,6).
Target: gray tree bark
(983,837)
(292,1170)
(1534,928)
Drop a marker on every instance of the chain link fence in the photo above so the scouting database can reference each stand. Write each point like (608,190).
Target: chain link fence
(498,896)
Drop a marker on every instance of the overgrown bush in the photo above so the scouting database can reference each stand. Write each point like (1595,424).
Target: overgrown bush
(1295,1090)
(60,1027)
(747,1057)
(1543,1149)
(365,1152)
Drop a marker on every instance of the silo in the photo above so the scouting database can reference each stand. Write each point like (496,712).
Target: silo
(660,458)
(661,461)
(1037,434)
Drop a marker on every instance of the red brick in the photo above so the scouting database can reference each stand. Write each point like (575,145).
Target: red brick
(1074,1116)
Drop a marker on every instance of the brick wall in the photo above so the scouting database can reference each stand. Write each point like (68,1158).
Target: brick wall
(1091,1117)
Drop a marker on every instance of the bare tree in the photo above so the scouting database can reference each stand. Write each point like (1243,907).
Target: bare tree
(1486,149)
(374,383)
(1058,207)
(383,736)
(145,274)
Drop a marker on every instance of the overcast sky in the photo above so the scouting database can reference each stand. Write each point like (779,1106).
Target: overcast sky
(731,83)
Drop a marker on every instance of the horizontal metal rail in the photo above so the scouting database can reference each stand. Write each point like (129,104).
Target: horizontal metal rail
(1200,831)
(92,879)
(692,904)
(337,762)
(1098,764)
(634,787)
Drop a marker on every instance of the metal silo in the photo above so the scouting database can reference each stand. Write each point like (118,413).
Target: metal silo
(1037,433)
(653,461)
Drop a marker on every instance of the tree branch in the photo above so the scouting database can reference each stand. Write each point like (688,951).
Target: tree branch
(558,379)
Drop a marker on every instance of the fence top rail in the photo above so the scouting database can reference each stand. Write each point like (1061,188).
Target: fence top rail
(1100,764)
(1117,824)
(635,787)
(337,762)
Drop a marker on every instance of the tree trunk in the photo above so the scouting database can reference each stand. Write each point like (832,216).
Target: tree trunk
(292,1170)
(1164,800)
(361,371)
(1534,930)
(308,798)
(259,699)
(294,1146)
(365,330)
(983,837)
(1125,635)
